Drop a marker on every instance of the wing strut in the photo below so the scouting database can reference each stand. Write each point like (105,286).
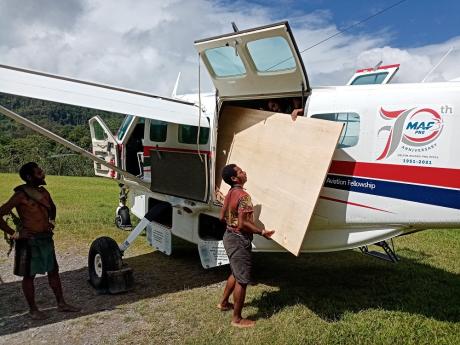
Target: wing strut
(73,147)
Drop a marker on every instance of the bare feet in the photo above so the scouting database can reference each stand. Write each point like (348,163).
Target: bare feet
(37,315)
(225,306)
(64,307)
(243,323)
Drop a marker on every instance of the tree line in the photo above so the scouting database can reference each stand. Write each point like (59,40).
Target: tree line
(19,145)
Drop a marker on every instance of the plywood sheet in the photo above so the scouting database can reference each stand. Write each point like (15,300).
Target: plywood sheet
(286,163)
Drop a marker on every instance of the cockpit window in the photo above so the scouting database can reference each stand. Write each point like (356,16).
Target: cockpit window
(188,134)
(350,133)
(124,126)
(271,54)
(225,62)
(375,78)
(158,130)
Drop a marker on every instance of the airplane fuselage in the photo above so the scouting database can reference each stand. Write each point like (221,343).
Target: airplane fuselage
(395,170)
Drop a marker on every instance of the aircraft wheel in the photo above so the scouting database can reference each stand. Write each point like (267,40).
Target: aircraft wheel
(123,219)
(104,255)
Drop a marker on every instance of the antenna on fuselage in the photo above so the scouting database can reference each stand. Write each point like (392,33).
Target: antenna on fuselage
(376,67)
(235,28)
(174,91)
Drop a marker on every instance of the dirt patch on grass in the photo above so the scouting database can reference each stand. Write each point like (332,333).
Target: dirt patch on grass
(104,318)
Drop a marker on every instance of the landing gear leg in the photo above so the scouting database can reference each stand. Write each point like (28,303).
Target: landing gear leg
(388,255)
(150,216)
(107,273)
(122,217)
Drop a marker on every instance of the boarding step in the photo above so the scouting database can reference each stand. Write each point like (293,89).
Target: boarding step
(388,253)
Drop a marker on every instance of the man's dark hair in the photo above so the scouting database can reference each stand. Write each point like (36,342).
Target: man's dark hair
(27,170)
(227,173)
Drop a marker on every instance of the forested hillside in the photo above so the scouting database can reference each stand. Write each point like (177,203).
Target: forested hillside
(19,145)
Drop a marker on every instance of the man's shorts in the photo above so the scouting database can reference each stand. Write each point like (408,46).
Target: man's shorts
(238,248)
(34,256)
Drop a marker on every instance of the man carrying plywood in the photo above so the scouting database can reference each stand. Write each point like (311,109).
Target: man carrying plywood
(238,213)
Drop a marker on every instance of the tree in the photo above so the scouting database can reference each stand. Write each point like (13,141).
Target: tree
(19,144)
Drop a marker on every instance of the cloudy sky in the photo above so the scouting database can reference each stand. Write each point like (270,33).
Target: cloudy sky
(143,44)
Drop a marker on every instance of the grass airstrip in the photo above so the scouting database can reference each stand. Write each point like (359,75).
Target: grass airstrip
(330,298)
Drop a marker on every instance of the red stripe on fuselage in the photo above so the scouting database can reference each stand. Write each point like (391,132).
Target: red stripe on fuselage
(353,203)
(374,69)
(171,149)
(443,177)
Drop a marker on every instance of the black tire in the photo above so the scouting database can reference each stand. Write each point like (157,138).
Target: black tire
(104,255)
(123,219)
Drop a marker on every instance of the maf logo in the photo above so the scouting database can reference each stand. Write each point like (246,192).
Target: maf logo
(413,127)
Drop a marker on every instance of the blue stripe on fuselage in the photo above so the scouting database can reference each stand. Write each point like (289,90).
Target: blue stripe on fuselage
(424,194)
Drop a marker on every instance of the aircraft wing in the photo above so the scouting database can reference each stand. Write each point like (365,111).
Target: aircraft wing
(33,84)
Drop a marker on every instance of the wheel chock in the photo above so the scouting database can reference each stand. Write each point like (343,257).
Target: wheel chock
(120,281)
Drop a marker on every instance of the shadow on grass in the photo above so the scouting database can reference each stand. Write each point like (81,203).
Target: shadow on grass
(334,283)
(155,274)
(328,284)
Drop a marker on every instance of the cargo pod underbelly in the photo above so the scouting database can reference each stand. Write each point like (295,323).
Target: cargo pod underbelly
(286,163)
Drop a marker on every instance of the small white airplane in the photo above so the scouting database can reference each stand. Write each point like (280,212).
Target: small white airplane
(394,170)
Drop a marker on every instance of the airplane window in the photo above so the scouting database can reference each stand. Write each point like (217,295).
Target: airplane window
(188,134)
(271,55)
(350,132)
(225,62)
(375,78)
(158,130)
(124,126)
(99,133)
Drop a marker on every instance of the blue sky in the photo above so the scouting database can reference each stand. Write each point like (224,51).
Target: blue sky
(144,44)
(412,23)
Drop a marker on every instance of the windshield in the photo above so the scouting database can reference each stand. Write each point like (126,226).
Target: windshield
(375,78)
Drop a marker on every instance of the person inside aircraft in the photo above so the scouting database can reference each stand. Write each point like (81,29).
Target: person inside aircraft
(274,105)
(296,108)
(238,213)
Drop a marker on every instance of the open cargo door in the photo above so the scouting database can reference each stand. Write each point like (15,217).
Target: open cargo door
(253,62)
(286,163)
(104,146)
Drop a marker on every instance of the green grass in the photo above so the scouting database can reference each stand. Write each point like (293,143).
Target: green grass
(85,208)
(333,298)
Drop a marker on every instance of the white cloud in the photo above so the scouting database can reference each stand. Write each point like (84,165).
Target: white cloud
(143,44)
(417,63)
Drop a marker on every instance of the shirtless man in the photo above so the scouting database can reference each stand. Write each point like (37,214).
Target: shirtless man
(34,252)
(238,213)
